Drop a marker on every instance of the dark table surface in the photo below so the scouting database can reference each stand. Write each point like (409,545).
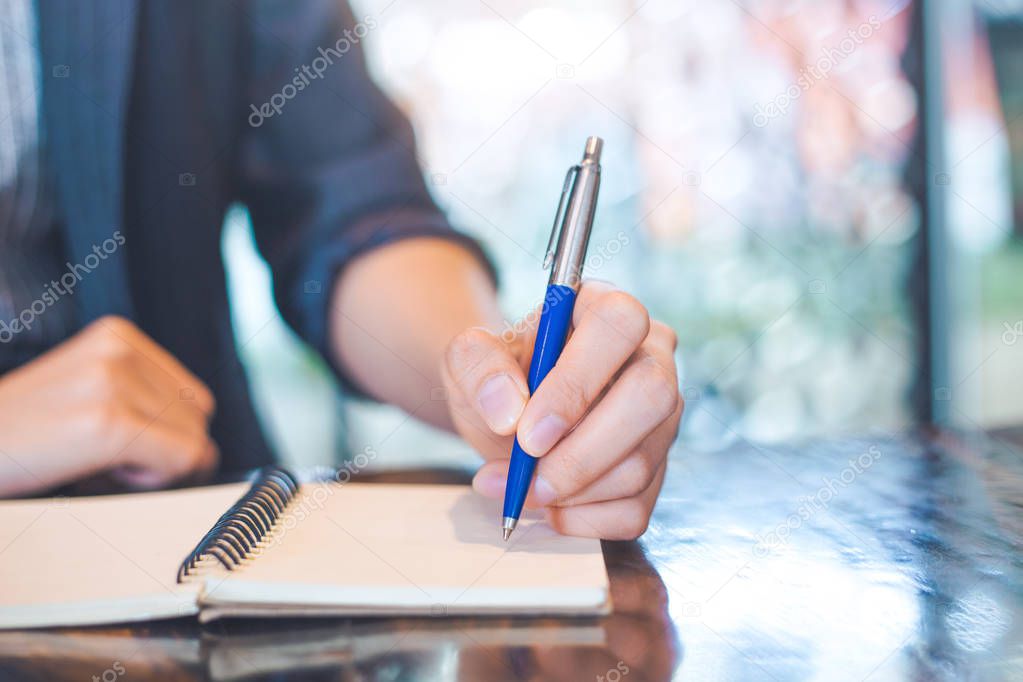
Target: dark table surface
(895,557)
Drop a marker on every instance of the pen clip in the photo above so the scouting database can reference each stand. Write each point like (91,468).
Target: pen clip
(559,217)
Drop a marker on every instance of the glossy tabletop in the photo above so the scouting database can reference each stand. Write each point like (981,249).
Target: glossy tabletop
(894,557)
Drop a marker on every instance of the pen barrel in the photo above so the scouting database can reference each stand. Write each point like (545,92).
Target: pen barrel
(555,320)
(551,332)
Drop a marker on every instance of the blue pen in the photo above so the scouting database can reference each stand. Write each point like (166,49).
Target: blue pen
(572,226)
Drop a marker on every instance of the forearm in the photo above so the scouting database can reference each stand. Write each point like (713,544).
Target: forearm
(394,311)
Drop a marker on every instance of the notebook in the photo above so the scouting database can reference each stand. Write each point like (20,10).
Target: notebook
(279,548)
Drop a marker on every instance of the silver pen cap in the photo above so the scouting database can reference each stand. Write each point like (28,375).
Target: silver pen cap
(573,222)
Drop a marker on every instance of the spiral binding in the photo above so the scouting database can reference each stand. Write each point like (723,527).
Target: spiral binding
(248,521)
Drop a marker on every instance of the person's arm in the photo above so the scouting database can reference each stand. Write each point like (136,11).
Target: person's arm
(394,312)
(368,271)
(416,324)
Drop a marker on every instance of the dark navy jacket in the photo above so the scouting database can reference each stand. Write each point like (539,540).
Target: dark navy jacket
(151,130)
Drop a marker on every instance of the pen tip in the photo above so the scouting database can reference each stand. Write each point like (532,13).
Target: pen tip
(507,534)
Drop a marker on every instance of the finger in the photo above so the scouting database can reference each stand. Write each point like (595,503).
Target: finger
(645,396)
(636,472)
(489,378)
(491,478)
(124,335)
(609,326)
(661,337)
(145,478)
(156,446)
(624,519)
(172,395)
(108,380)
(630,477)
(627,478)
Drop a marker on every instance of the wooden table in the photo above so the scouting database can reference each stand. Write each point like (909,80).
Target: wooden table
(892,557)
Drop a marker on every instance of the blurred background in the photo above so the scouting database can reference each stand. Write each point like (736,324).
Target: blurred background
(823,198)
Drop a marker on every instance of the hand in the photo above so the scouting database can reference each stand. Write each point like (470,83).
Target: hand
(601,422)
(107,400)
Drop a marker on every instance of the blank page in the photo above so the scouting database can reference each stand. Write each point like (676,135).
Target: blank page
(373,548)
(102,559)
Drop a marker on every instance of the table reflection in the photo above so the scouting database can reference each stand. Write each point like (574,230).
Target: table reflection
(637,640)
(895,557)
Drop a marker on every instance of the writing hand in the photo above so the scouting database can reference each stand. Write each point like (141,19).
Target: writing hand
(601,422)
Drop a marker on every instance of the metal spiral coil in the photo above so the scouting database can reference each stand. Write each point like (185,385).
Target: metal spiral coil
(235,534)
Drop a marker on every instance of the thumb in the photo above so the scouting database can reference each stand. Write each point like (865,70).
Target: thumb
(484,371)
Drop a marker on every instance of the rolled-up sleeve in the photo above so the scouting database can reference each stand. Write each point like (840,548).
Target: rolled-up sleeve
(328,162)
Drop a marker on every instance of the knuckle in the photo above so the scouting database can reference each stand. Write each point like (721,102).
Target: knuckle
(634,521)
(565,475)
(196,454)
(198,391)
(626,314)
(659,387)
(676,416)
(665,332)
(556,519)
(571,393)
(102,378)
(212,456)
(637,474)
(110,325)
(108,336)
(185,458)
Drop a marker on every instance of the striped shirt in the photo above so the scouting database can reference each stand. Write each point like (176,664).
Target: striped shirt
(34,315)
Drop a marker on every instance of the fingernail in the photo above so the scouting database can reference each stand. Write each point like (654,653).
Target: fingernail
(544,434)
(501,403)
(490,484)
(544,492)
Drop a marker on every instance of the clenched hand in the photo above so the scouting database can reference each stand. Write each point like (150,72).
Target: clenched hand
(108,400)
